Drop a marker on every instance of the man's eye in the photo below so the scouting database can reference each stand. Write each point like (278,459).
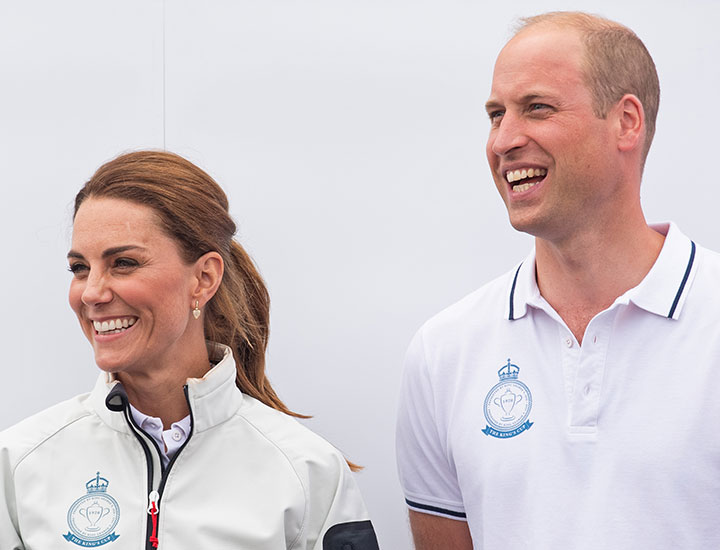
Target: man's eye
(495,116)
(538,106)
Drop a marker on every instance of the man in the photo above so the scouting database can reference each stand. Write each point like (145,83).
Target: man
(562,406)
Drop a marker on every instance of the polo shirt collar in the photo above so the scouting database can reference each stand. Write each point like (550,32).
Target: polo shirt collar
(665,287)
(524,290)
(662,291)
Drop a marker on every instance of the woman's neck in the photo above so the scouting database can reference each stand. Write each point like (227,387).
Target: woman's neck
(159,390)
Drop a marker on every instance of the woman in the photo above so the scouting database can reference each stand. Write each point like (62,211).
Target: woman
(182,443)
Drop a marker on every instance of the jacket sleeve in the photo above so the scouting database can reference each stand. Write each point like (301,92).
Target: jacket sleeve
(9,536)
(344,522)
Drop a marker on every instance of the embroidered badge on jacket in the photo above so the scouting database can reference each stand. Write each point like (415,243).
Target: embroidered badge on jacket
(507,405)
(93,517)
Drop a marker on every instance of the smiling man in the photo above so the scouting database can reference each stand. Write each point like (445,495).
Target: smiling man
(559,406)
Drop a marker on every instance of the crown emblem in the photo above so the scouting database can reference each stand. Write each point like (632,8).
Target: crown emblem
(509,371)
(97,484)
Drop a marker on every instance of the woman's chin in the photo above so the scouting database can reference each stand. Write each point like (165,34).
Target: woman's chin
(109,363)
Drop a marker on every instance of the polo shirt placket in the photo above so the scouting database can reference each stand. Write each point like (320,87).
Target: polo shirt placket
(661,293)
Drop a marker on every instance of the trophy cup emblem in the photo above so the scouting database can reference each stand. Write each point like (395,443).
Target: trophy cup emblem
(93,517)
(508,404)
(94,513)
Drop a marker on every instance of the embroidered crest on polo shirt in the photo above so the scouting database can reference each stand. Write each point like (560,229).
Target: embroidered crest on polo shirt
(93,517)
(508,405)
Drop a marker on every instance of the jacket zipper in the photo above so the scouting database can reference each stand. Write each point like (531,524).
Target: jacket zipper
(155,495)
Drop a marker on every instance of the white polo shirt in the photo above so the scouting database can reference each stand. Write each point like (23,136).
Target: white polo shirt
(539,443)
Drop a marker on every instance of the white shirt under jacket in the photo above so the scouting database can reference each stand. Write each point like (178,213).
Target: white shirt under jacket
(248,476)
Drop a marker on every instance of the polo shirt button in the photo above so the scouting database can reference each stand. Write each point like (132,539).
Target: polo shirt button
(586,389)
(176,435)
(569,342)
(595,339)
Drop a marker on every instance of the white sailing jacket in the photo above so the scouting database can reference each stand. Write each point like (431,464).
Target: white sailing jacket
(248,477)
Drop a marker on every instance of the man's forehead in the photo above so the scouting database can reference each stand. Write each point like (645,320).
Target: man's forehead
(544,45)
(542,57)
(547,28)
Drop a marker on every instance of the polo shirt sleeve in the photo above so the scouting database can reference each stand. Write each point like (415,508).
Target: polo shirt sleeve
(427,475)
(9,538)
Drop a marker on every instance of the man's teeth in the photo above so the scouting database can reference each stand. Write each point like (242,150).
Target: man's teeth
(517,175)
(114,326)
(523,187)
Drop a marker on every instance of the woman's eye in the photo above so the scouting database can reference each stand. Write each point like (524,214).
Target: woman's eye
(125,263)
(77,269)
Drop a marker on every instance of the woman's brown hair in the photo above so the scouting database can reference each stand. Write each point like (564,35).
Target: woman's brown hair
(193,209)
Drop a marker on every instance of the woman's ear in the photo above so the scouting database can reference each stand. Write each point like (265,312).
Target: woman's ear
(209,270)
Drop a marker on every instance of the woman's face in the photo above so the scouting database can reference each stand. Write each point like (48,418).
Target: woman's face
(131,290)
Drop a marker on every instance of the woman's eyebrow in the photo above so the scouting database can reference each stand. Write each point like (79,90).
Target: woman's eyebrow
(108,252)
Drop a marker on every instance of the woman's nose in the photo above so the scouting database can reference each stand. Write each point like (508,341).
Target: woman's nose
(97,290)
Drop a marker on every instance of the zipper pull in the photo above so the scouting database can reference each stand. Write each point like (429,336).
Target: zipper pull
(153,511)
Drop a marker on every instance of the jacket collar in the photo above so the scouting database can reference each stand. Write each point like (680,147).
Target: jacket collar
(213,399)
(662,291)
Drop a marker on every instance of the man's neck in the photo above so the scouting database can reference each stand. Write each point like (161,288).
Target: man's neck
(585,274)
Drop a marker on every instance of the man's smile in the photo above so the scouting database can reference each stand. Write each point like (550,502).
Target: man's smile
(529,177)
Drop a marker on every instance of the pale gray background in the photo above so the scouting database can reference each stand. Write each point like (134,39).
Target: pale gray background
(350,139)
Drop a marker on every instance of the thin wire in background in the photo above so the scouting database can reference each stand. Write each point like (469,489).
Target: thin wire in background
(163,72)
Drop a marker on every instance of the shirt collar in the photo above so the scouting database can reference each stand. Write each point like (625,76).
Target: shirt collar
(523,290)
(214,398)
(154,424)
(662,291)
(665,287)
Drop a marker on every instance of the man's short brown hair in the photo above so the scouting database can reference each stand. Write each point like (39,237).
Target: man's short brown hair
(616,63)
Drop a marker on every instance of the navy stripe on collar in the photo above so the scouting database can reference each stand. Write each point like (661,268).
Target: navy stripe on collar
(512,295)
(684,280)
(429,508)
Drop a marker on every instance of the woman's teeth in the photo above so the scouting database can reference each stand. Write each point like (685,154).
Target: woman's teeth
(114,326)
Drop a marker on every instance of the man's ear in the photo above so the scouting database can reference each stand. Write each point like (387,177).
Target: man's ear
(209,270)
(631,123)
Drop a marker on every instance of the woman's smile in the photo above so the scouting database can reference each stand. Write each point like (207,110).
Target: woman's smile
(114,326)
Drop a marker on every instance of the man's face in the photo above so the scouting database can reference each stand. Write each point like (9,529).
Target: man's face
(550,156)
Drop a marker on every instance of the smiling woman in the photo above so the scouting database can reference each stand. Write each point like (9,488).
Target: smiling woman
(130,291)
(182,443)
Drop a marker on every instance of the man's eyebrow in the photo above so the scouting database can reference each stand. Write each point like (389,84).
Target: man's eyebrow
(108,252)
(491,105)
(529,98)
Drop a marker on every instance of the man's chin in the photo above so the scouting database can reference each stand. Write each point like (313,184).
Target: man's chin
(526,224)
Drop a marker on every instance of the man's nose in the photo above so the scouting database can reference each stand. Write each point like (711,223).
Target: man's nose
(97,289)
(509,135)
